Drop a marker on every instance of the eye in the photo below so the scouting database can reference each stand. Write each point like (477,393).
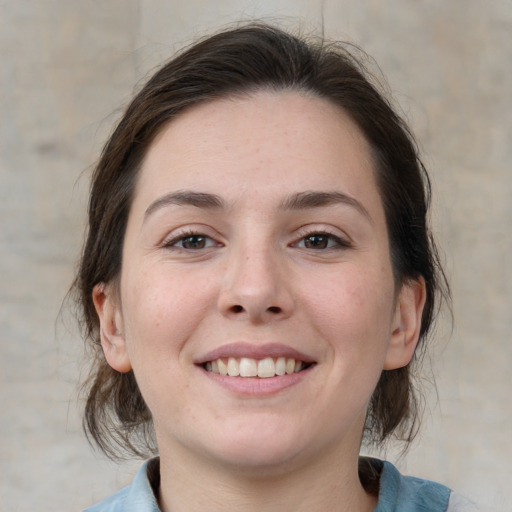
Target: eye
(321,241)
(191,242)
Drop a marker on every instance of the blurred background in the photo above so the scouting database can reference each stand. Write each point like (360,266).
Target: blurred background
(68,67)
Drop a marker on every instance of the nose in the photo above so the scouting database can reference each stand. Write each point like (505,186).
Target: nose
(256,287)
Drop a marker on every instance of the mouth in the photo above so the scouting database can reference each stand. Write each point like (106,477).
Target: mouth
(247,367)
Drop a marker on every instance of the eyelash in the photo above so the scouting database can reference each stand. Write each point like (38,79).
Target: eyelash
(335,241)
(339,243)
(181,237)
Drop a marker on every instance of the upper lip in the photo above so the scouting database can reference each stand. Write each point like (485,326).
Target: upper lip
(259,351)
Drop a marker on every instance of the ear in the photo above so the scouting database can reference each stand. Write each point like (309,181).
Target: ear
(406,324)
(111,327)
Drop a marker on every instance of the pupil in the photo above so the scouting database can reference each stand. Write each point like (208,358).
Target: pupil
(194,242)
(316,242)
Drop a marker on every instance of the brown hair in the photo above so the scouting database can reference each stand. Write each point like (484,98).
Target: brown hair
(239,61)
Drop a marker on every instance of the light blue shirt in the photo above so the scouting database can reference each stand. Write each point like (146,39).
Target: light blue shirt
(136,497)
(397,494)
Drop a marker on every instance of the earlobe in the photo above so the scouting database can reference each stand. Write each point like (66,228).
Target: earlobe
(111,328)
(406,324)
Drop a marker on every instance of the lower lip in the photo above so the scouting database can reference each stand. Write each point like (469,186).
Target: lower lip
(255,386)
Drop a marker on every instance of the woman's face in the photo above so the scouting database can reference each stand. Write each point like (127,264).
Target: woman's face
(257,244)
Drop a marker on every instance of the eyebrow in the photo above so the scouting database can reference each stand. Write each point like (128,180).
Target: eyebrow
(299,201)
(314,199)
(186,198)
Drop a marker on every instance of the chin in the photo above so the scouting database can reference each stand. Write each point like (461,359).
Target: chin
(266,448)
(256,461)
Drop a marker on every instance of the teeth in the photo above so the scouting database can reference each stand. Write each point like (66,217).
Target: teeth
(223,367)
(233,367)
(266,368)
(248,367)
(281,366)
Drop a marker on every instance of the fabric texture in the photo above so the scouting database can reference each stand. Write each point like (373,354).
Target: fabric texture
(410,494)
(136,497)
(397,493)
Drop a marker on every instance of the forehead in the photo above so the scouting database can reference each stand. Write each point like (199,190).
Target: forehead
(286,141)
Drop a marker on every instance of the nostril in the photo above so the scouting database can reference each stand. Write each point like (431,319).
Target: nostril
(274,309)
(237,309)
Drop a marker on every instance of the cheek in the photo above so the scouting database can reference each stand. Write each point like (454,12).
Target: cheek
(161,310)
(353,310)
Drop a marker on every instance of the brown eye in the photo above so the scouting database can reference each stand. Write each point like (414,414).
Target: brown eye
(322,241)
(192,242)
(316,241)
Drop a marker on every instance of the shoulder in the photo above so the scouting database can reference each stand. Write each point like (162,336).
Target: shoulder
(113,503)
(399,493)
(136,497)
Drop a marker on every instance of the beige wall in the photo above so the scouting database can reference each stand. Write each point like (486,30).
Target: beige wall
(66,66)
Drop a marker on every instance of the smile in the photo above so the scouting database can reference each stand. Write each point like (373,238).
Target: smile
(249,367)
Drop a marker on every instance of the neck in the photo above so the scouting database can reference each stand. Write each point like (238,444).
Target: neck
(324,485)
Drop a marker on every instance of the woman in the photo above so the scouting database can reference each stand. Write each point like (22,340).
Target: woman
(257,279)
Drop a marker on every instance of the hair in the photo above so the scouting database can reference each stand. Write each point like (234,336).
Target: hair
(241,61)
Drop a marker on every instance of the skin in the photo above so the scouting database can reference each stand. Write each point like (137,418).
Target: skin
(316,279)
